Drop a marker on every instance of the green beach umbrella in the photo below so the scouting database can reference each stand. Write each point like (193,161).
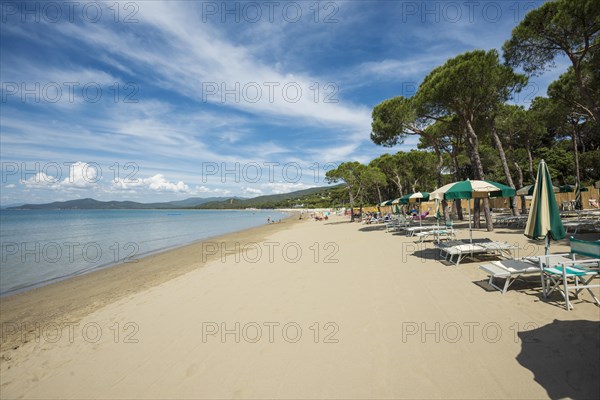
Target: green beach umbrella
(397,209)
(570,188)
(475,189)
(528,190)
(386,203)
(544,218)
(416,197)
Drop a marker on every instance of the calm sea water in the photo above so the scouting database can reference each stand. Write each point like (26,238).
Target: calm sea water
(39,247)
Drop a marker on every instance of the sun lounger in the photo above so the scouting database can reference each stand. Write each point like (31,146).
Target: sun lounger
(414,229)
(509,270)
(500,248)
(461,251)
(438,234)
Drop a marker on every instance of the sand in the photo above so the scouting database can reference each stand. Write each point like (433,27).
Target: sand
(306,310)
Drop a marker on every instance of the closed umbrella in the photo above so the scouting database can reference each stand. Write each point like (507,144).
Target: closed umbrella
(544,218)
(475,189)
(578,205)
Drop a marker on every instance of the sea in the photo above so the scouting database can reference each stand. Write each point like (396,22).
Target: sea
(39,247)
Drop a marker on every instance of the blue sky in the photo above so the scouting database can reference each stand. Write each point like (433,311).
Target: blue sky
(152,101)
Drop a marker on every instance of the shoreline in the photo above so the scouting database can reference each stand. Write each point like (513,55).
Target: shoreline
(73,298)
(51,281)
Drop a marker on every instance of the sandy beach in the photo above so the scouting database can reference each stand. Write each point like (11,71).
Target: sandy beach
(299,309)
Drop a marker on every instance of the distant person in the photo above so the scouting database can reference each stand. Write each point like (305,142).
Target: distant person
(268,220)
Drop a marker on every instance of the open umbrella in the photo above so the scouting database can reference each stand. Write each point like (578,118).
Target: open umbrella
(386,203)
(416,197)
(472,190)
(528,190)
(570,188)
(544,218)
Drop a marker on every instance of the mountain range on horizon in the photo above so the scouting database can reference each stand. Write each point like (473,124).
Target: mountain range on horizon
(93,204)
(266,201)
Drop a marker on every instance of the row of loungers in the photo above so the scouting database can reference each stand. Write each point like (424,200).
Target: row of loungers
(567,274)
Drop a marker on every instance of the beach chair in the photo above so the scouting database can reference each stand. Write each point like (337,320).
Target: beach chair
(564,275)
(460,251)
(412,230)
(509,270)
(438,233)
(503,249)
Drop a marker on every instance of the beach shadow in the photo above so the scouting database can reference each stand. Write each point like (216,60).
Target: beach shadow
(526,285)
(430,254)
(339,223)
(563,357)
(371,228)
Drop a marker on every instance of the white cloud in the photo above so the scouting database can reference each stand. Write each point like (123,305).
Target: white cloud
(81,176)
(253,191)
(160,183)
(10,186)
(41,180)
(157,183)
(205,190)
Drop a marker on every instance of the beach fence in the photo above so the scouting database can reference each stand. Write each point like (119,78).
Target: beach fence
(564,200)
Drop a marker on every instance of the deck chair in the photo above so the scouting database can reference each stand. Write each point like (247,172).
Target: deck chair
(509,270)
(572,275)
(500,248)
(461,251)
(438,233)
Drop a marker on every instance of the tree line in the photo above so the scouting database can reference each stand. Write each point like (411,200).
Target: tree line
(467,127)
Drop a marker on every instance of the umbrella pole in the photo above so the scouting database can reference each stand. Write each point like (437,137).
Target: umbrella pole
(470,229)
(437,211)
(547,244)
(420,219)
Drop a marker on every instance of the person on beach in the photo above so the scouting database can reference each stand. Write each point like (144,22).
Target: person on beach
(268,220)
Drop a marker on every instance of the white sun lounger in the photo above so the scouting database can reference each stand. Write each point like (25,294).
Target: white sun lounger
(500,248)
(414,229)
(461,251)
(509,270)
(436,233)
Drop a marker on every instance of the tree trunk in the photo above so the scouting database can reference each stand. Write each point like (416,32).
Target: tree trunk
(379,194)
(509,181)
(576,152)
(593,107)
(520,182)
(398,183)
(530,160)
(351,195)
(361,203)
(457,203)
(476,160)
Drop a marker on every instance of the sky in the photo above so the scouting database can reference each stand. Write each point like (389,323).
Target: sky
(154,101)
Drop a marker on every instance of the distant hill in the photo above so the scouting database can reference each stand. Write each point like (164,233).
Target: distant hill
(324,196)
(91,204)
